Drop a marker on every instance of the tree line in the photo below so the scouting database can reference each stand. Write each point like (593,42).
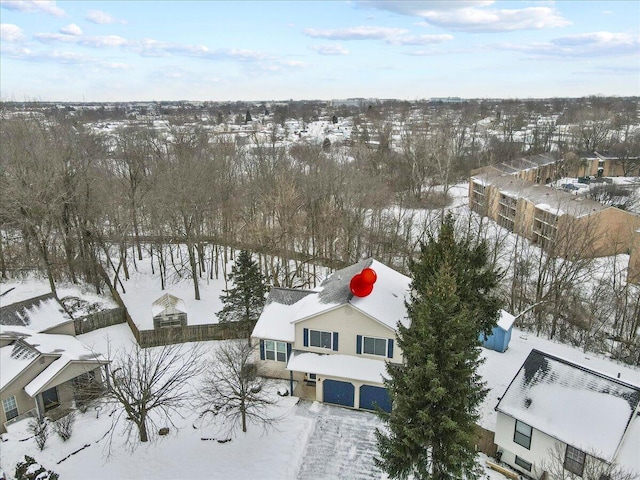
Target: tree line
(84,205)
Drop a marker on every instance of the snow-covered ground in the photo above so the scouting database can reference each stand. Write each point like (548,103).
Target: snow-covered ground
(311,441)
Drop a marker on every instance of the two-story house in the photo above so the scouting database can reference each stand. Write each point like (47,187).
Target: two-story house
(333,340)
(555,408)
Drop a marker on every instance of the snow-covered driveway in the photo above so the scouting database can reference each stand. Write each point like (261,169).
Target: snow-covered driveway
(341,445)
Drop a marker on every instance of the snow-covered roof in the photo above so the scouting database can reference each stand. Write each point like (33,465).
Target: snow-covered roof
(506,320)
(627,456)
(26,349)
(343,366)
(15,359)
(386,303)
(578,406)
(167,301)
(38,314)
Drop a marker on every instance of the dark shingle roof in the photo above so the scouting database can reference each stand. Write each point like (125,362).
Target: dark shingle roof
(17,313)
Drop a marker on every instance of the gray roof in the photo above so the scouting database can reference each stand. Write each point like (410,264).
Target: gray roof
(17,314)
(286,296)
(336,289)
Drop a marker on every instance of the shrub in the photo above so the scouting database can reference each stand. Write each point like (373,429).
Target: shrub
(64,425)
(39,427)
(31,470)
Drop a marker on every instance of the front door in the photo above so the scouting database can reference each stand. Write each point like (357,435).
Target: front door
(50,398)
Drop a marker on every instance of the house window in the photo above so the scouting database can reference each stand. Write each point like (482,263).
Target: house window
(574,460)
(374,346)
(50,398)
(522,434)
(10,407)
(320,339)
(275,350)
(523,464)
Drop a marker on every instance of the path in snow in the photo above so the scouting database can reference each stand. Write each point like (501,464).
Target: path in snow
(341,445)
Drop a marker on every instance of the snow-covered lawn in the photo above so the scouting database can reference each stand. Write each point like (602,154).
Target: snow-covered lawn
(311,441)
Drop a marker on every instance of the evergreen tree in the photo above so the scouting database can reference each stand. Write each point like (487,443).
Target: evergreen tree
(435,393)
(245,300)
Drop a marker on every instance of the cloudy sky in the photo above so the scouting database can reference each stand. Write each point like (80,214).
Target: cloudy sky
(268,50)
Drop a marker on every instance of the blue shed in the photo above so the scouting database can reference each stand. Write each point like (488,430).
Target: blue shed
(501,333)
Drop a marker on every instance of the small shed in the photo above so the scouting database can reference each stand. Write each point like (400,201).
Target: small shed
(169,311)
(501,333)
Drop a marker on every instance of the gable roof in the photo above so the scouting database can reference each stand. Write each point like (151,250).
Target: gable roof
(39,314)
(167,301)
(285,307)
(386,303)
(578,406)
(26,349)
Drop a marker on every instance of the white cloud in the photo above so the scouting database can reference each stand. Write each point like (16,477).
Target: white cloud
(71,29)
(104,41)
(34,6)
(356,33)
(474,16)
(329,49)
(417,8)
(100,17)
(419,39)
(11,33)
(592,44)
(491,20)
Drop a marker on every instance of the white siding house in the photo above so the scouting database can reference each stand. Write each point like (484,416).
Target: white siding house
(335,341)
(555,405)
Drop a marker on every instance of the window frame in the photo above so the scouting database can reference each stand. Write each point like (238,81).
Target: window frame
(384,350)
(522,463)
(5,401)
(312,331)
(278,354)
(573,464)
(50,405)
(518,435)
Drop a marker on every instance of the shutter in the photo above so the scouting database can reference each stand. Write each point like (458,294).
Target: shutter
(358,344)
(288,351)
(305,337)
(390,348)
(335,341)
(262,356)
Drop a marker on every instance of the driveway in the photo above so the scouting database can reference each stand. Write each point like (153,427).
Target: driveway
(341,445)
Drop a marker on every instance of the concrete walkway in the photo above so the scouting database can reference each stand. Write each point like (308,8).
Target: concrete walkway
(342,444)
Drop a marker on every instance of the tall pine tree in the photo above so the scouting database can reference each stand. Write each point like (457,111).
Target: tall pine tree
(245,300)
(435,393)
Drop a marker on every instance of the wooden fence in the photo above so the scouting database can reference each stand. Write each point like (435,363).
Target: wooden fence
(190,333)
(485,441)
(101,319)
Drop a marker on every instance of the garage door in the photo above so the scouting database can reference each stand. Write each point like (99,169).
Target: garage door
(340,393)
(371,396)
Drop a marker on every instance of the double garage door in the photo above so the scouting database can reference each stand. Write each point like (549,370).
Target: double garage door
(343,393)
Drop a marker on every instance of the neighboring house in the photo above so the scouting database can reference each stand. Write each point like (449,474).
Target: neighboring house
(169,311)
(39,314)
(573,226)
(501,333)
(555,405)
(333,341)
(41,371)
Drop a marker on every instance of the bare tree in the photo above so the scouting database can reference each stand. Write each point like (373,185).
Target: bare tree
(558,467)
(232,394)
(151,384)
